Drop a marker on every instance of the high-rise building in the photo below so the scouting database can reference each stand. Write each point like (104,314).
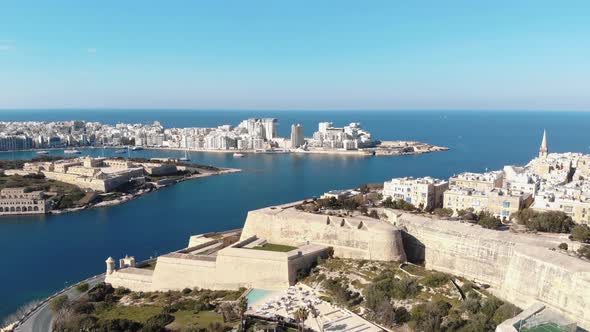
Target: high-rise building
(297,136)
(270,128)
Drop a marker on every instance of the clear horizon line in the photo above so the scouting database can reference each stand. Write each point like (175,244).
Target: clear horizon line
(289,109)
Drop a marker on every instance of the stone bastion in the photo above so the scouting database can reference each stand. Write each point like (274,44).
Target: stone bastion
(350,237)
(519,268)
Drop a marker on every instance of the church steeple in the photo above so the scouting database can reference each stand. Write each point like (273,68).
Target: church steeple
(543,150)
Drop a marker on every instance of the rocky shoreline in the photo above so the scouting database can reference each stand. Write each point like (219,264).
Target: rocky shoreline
(140,192)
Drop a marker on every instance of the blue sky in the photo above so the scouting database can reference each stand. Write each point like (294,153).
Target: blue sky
(523,55)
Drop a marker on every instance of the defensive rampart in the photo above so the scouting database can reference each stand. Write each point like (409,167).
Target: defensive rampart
(519,268)
(351,237)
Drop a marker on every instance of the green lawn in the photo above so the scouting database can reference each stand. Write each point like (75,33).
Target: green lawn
(274,247)
(136,313)
(202,319)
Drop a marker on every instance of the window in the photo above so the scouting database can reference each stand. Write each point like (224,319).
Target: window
(505,204)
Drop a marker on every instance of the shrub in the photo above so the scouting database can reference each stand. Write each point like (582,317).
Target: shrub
(563,246)
(504,312)
(398,204)
(82,287)
(443,212)
(58,303)
(99,292)
(405,288)
(581,233)
(120,291)
(186,291)
(402,315)
(472,305)
(584,251)
(435,279)
(374,214)
(83,307)
(120,325)
(157,323)
(487,220)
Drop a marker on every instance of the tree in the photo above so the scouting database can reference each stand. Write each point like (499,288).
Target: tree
(58,303)
(301,316)
(581,233)
(563,246)
(487,220)
(242,307)
(549,221)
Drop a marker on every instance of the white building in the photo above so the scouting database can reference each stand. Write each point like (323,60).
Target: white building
(425,192)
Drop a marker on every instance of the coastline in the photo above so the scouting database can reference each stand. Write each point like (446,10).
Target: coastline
(129,197)
(380,150)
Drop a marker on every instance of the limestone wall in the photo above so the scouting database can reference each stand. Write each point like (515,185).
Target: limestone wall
(359,238)
(519,268)
(232,268)
(139,280)
(177,273)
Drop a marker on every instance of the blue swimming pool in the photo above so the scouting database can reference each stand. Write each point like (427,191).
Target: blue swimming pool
(256,295)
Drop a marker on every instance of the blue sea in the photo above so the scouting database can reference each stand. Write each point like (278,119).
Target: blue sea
(41,255)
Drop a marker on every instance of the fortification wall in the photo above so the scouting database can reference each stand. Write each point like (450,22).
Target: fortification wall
(176,273)
(358,238)
(257,269)
(519,268)
(132,278)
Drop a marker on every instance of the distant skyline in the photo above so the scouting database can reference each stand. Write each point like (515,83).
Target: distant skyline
(304,55)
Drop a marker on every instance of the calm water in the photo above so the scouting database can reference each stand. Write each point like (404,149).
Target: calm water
(43,254)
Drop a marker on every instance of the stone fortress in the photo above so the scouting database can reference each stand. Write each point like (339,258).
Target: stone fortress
(98,174)
(520,268)
(218,261)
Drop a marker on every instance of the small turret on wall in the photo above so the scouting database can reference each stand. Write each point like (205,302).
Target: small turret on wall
(127,262)
(110,265)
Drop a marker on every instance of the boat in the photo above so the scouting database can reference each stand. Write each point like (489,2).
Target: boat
(185,158)
(238,155)
(72,151)
(136,148)
(43,152)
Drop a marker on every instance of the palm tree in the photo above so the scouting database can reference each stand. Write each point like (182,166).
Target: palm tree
(301,316)
(242,307)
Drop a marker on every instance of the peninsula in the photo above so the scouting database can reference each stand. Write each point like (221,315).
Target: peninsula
(249,136)
(56,185)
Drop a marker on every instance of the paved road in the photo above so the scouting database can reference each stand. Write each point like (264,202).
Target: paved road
(40,320)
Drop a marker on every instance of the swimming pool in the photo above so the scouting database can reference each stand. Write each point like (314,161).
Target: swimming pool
(256,295)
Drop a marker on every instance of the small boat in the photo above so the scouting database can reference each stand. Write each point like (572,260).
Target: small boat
(72,151)
(136,148)
(43,152)
(238,155)
(120,151)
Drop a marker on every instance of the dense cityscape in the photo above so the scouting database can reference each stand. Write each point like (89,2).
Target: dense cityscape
(250,134)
